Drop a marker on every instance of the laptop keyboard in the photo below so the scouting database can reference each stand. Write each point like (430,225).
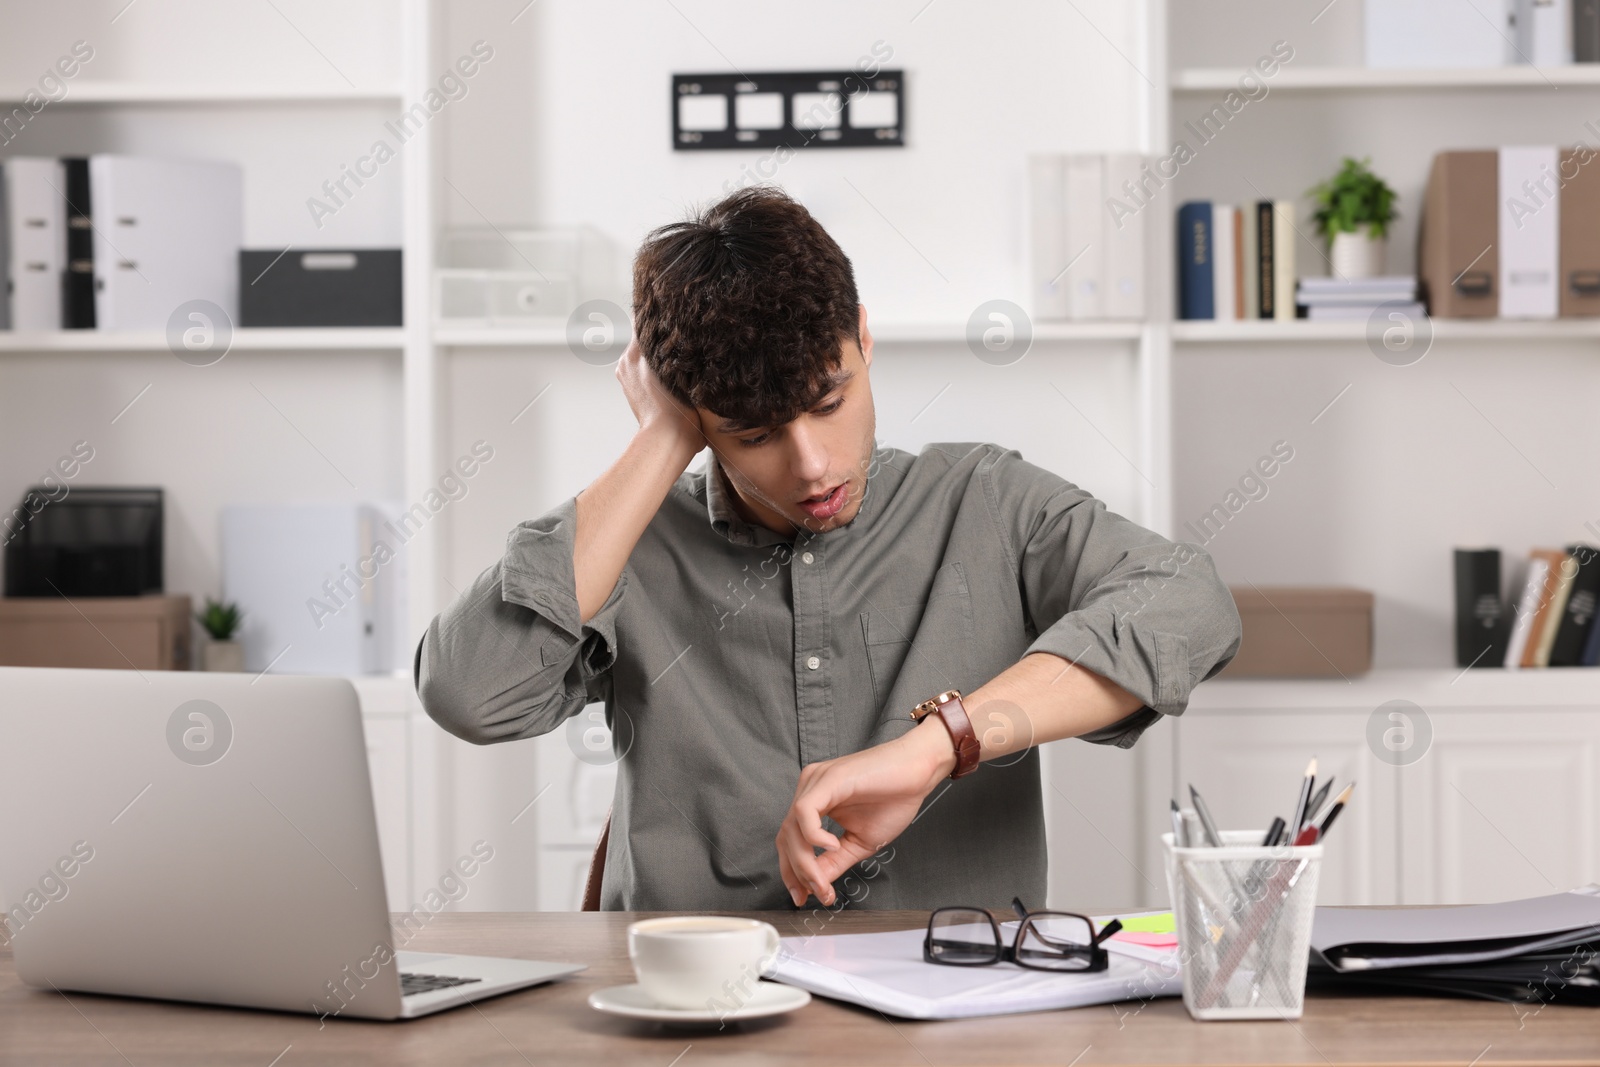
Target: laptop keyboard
(412,982)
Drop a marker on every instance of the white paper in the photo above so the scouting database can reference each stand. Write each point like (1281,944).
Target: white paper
(886,971)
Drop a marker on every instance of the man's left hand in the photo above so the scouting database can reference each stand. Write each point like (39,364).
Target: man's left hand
(873,795)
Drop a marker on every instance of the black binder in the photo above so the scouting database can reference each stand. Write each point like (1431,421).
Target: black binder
(1578,616)
(1482,626)
(77,281)
(89,542)
(1540,950)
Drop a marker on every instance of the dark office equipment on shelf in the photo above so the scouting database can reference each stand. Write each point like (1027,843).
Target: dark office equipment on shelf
(320,287)
(84,541)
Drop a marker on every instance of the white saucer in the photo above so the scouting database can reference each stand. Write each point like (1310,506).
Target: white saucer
(769,998)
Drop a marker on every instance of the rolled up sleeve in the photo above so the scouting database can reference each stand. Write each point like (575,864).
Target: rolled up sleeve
(511,657)
(1107,594)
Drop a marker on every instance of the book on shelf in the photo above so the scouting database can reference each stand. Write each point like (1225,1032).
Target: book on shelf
(1223,260)
(1250,260)
(1236,261)
(1265,265)
(1481,629)
(1534,608)
(1283,308)
(1412,311)
(1577,618)
(1357,298)
(1549,618)
(1527,607)
(1085,244)
(1331,290)
(1591,647)
(1195,270)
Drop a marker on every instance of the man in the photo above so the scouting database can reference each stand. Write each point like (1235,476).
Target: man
(761,630)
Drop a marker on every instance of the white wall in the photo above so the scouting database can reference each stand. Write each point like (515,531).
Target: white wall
(584,99)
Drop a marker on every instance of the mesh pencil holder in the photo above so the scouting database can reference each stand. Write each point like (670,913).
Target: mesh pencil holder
(1243,915)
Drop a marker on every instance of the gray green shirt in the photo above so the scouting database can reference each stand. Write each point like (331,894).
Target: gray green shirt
(728,657)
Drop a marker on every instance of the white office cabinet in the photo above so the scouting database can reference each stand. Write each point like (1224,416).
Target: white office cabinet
(389,707)
(1489,795)
(388,765)
(1248,765)
(1503,806)
(574,800)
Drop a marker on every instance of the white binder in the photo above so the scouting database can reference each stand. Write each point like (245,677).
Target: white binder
(167,231)
(1439,33)
(1530,228)
(35,193)
(1086,237)
(322,586)
(1125,237)
(1544,32)
(1046,238)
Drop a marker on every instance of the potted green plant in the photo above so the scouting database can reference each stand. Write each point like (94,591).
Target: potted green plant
(220,621)
(1354,209)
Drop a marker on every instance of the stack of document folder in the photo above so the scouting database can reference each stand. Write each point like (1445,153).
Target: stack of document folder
(1338,298)
(886,971)
(1544,950)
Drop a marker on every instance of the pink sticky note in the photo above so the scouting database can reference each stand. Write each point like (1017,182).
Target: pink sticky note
(1135,937)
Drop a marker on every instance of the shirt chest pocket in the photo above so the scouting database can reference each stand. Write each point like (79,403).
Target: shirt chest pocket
(916,651)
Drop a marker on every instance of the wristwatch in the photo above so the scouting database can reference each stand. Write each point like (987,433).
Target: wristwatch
(949,708)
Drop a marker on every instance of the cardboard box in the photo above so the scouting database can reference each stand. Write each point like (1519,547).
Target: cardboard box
(147,633)
(1302,632)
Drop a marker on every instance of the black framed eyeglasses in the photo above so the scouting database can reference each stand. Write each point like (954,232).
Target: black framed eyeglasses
(1045,940)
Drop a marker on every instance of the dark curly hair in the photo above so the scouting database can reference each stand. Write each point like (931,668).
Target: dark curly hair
(743,308)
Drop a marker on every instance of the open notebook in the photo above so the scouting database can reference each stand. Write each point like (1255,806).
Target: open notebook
(886,971)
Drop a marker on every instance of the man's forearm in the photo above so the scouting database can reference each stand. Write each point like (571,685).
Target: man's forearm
(615,509)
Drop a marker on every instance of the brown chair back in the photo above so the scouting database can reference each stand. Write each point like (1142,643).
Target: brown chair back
(597,869)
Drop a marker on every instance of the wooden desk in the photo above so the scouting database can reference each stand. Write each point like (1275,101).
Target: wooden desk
(555,1025)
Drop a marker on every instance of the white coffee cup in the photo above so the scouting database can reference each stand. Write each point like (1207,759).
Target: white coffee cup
(706,962)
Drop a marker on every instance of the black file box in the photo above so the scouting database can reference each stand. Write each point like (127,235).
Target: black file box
(89,542)
(320,287)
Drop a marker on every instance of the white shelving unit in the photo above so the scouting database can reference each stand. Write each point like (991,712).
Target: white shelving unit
(1198,397)
(89,92)
(1340,79)
(248,339)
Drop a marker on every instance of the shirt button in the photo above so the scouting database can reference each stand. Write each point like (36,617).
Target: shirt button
(807,558)
(813,663)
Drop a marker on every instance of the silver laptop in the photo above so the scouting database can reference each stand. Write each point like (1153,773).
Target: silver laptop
(208,837)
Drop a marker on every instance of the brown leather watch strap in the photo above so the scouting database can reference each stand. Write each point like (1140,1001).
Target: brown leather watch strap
(954,715)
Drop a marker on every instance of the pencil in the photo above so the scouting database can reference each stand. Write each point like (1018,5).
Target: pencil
(1305,796)
(1333,812)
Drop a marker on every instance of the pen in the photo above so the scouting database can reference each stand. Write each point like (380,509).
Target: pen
(1318,797)
(1305,795)
(1273,831)
(1312,832)
(1179,838)
(1213,838)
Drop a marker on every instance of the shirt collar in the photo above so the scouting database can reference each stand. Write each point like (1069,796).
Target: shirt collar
(728,522)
